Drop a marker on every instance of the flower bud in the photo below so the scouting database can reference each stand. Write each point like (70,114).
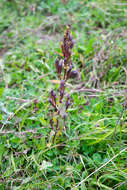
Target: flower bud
(53,94)
(70,37)
(74,74)
(60,66)
(65,59)
(57,64)
(50,101)
(53,97)
(62,83)
(68,102)
(72,44)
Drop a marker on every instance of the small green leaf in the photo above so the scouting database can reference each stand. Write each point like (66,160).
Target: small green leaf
(97,158)
(1,91)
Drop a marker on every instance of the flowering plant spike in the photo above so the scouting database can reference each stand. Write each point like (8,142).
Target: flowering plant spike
(64,70)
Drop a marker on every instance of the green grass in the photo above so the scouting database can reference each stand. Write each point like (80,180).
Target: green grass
(92,152)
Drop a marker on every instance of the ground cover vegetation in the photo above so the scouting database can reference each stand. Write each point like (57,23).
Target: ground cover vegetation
(91,150)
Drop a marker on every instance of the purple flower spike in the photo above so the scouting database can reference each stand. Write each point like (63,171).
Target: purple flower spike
(61,102)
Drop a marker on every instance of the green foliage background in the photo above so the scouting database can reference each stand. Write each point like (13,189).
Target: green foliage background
(30,36)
